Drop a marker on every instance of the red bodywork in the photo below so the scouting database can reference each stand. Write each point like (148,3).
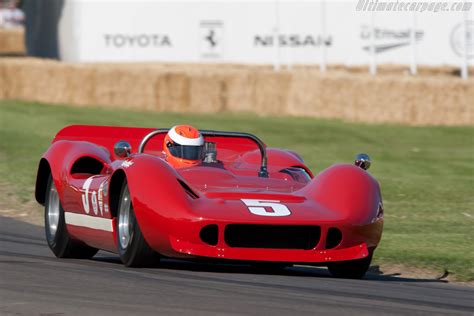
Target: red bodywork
(173,206)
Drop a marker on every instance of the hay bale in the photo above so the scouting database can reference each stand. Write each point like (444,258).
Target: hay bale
(207,93)
(12,41)
(16,79)
(240,91)
(436,97)
(81,82)
(384,99)
(122,87)
(271,92)
(35,80)
(173,92)
(2,80)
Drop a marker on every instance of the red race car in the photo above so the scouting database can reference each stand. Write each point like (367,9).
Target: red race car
(182,193)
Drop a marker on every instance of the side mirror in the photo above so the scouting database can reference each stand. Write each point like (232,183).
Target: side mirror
(122,149)
(362,161)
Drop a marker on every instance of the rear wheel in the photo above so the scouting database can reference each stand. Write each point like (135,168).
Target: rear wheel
(354,269)
(56,232)
(132,246)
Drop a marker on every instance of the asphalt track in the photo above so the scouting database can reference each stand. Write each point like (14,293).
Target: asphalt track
(34,282)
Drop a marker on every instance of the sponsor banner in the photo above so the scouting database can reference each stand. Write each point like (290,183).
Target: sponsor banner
(246,32)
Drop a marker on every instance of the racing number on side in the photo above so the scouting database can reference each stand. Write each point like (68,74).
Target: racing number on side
(85,195)
(97,197)
(266,207)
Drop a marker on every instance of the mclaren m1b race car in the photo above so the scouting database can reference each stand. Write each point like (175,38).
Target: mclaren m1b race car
(147,194)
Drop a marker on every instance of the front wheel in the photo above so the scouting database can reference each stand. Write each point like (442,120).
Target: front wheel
(354,269)
(56,232)
(132,246)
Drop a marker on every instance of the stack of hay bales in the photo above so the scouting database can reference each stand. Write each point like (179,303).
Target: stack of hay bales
(435,97)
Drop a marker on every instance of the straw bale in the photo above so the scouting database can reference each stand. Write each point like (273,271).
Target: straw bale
(2,81)
(208,93)
(436,96)
(16,81)
(12,41)
(395,99)
(173,92)
(240,92)
(119,87)
(271,92)
(81,85)
(35,80)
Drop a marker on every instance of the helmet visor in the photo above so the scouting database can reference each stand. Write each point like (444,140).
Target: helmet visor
(186,152)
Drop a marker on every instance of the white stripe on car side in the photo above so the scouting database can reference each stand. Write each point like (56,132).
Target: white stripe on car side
(88,221)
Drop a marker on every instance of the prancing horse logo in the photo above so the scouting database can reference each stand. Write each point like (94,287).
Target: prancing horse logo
(211,38)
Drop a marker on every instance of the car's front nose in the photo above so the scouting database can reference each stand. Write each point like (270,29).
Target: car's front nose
(306,234)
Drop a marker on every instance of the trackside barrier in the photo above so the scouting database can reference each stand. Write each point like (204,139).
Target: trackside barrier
(432,97)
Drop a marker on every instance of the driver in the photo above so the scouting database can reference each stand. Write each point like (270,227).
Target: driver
(183,146)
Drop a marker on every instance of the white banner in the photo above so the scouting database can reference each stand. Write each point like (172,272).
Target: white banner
(249,32)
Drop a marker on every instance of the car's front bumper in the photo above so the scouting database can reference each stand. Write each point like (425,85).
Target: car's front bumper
(275,255)
(357,243)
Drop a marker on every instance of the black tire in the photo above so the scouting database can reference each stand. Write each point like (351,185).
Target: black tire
(134,251)
(354,269)
(58,238)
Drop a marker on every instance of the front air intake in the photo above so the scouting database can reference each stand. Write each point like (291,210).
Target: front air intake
(209,234)
(333,238)
(272,236)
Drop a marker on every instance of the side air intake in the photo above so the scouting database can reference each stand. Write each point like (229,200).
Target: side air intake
(272,236)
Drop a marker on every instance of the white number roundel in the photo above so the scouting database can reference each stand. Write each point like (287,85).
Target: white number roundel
(85,196)
(266,207)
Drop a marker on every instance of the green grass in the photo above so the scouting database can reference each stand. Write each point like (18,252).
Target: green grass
(426,173)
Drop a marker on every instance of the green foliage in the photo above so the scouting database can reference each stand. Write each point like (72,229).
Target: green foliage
(426,173)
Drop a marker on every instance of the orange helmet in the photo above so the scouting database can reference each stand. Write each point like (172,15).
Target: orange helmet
(183,146)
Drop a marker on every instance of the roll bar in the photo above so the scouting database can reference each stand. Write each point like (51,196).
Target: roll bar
(263,172)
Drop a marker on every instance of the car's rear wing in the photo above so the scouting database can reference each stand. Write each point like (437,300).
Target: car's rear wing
(105,136)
